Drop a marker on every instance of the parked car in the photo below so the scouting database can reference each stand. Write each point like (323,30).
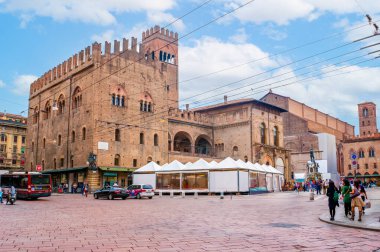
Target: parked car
(140,191)
(111,192)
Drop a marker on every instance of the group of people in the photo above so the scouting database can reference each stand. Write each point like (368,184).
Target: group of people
(64,188)
(353,197)
(10,193)
(316,185)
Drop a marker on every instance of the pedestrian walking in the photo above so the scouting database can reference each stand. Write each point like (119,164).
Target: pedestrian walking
(346,197)
(1,196)
(356,201)
(85,189)
(333,194)
(363,195)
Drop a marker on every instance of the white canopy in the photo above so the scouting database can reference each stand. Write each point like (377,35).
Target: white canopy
(213,163)
(270,169)
(174,166)
(228,163)
(201,164)
(243,164)
(255,167)
(149,167)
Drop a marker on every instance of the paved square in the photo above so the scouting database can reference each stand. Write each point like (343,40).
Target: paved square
(270,222)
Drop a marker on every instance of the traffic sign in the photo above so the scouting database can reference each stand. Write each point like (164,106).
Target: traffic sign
(354,164)
(38,167)
(353,156)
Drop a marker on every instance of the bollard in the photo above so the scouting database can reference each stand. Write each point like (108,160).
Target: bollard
(160,194)
(183,194)
(171,194)
(196,195)
(221,195)
(311,195)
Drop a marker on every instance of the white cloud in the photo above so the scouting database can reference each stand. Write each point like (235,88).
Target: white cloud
(240,36)
(210,55)
(22,84)
(281,12)
(273,33)
(89,11)
(108,35)
(159,17)
(2,84)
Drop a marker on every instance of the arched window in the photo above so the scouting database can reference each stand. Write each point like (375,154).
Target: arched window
(61,105)
(113,99)
(262,133)
(169,143)
(365,112)
(275,136)
(77,98)
(246,159)
(117,135)
(149,159)
(117,160)
(73,136)
(47,111)
(235,151)
(59,140)
(146,102)
(361,153)
(35,115)
(3,137)
(371,152)
(84,133)
(155,140)
(118,95)
(141,138)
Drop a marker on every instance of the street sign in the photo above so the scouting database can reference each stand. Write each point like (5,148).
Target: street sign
(353,156)
(38,167)
(354,164)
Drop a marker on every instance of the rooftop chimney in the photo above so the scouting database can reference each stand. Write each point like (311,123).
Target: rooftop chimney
(225,99)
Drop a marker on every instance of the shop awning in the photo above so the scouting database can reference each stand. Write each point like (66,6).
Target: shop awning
(116,169)
(74,169)
(364,176)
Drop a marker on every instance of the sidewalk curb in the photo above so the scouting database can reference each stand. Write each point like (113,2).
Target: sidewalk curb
(339,223)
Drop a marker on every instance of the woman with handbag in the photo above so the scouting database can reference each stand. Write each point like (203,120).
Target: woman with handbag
(333,194)
(346,197)
(363,195)
(356,200)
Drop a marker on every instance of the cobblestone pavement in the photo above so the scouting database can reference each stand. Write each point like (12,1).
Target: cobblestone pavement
(269,222)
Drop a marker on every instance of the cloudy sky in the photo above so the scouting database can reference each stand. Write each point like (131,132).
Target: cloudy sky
(299,48)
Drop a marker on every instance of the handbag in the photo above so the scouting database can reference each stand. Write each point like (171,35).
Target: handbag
(367,204)
(356,194)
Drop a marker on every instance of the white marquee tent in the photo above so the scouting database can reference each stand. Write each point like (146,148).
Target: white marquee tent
(227,176)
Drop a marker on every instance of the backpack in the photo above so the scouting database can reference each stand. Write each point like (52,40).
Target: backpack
(336,196)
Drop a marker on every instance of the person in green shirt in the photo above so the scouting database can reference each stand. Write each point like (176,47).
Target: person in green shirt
(346,197)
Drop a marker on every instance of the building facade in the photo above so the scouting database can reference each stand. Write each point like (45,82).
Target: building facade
(12,142)
(122,106)
(366,146)
(302,125)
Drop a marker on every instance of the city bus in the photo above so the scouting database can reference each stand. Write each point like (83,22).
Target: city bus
(29,185)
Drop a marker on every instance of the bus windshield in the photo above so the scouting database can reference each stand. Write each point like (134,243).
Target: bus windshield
(40,179)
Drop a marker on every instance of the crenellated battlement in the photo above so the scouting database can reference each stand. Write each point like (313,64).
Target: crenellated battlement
(157,32)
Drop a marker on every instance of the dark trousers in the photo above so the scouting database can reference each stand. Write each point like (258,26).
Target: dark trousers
(332,211)
(347,208)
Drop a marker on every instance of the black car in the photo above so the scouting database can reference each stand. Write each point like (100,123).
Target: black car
(111,192)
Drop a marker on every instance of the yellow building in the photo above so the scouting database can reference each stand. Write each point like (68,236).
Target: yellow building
(12,142)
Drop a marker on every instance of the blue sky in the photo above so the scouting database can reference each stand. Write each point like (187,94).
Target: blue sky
(39,34)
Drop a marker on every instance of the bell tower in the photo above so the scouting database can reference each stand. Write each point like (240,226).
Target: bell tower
(367,118)
(161,45)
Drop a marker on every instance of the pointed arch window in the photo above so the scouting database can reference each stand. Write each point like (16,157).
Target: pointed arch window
(77,98)
(275,136)
(84,133)
(73,136)
(61,105)
(361,154)
(262,133)
(155,138)
(365,112)
(371,152)
(117,135)
(141,138)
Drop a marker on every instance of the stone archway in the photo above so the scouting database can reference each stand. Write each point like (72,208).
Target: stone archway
(267,160)
(182,142)
(203,145)
(280,165)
